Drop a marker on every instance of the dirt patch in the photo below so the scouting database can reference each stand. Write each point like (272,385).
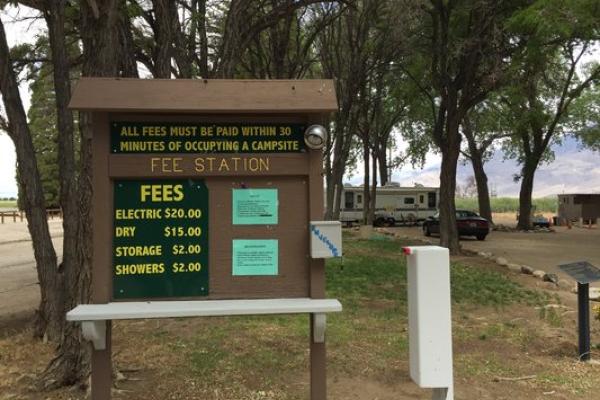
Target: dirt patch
(261,359)
(518,351)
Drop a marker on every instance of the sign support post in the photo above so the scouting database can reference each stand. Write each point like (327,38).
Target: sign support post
(318,376)
(584,273)
(583,319)
(101,360)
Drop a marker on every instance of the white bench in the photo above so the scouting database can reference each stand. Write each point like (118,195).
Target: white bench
(93,317)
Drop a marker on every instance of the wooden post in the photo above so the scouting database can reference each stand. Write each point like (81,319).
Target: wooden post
(14,216)
(101,261)
(2,215)
(318,375)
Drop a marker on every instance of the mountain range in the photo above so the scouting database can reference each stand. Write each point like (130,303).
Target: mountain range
(573,170)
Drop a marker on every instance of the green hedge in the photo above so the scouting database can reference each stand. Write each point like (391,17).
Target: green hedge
(508,204)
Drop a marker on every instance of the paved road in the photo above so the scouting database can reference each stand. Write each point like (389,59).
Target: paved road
(538,250)
(19,290)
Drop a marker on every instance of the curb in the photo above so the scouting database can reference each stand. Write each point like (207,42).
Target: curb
(544,276)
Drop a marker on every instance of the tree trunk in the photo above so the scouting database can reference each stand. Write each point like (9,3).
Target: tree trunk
(525,195)
(183,58)
(483,193)
(383,167)
(100,39)
(373,195)
(55,19)
(338,184)
(127,55)
(448,230)
(163,32)
(50,313)
(367,179)
(229,49)
(72,361)
(341,149)
(203,41)
(476,157)
(329,190)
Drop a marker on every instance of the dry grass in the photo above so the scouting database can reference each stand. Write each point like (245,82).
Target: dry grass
(266,358)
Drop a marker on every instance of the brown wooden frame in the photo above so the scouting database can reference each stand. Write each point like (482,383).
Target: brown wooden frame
(109,100)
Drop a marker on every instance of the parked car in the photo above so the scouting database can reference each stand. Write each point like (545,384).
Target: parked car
(541,221)
(468,223)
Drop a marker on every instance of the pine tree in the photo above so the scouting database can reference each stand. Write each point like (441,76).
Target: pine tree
(42,122)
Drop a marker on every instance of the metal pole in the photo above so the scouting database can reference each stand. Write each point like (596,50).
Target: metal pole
(583,304)
(442,394)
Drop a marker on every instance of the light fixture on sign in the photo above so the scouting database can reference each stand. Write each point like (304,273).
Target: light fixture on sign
(315,137)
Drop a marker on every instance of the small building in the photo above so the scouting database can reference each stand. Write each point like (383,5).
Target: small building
(575,207)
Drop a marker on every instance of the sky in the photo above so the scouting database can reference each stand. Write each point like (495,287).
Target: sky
(574,169)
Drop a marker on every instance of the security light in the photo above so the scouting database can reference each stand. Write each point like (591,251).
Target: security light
(315,137)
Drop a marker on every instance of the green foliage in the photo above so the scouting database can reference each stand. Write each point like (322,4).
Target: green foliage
(508,204)
(484,125)
(586,117)
(548,92)
(42,116)
(375,270)
(547,20)
(42,123)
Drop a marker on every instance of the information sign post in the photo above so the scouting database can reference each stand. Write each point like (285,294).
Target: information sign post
(584,273)
(205,194)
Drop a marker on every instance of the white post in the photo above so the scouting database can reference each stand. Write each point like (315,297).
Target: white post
(429,319)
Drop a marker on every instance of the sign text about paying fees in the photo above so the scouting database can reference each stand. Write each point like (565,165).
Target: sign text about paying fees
(156,137)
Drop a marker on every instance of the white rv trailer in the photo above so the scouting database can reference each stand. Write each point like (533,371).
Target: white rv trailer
(393,204)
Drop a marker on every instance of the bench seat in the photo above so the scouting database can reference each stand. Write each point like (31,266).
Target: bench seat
(94,316)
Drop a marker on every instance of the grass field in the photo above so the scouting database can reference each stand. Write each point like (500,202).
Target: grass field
(498,323)
(508,204)
(8,204)
(499,204)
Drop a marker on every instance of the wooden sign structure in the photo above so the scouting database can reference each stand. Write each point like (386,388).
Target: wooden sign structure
(206,194)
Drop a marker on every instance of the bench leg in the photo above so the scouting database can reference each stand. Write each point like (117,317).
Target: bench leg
(318,377)
(95,332)
(102,368)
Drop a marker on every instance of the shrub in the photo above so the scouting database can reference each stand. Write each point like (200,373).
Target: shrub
(508,204)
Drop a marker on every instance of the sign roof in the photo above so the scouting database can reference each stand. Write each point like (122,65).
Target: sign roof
(581,271)
(204,96)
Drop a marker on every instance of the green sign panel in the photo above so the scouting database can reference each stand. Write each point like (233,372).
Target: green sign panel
(192,137)
(160,239)
(255,257)
(254,207)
